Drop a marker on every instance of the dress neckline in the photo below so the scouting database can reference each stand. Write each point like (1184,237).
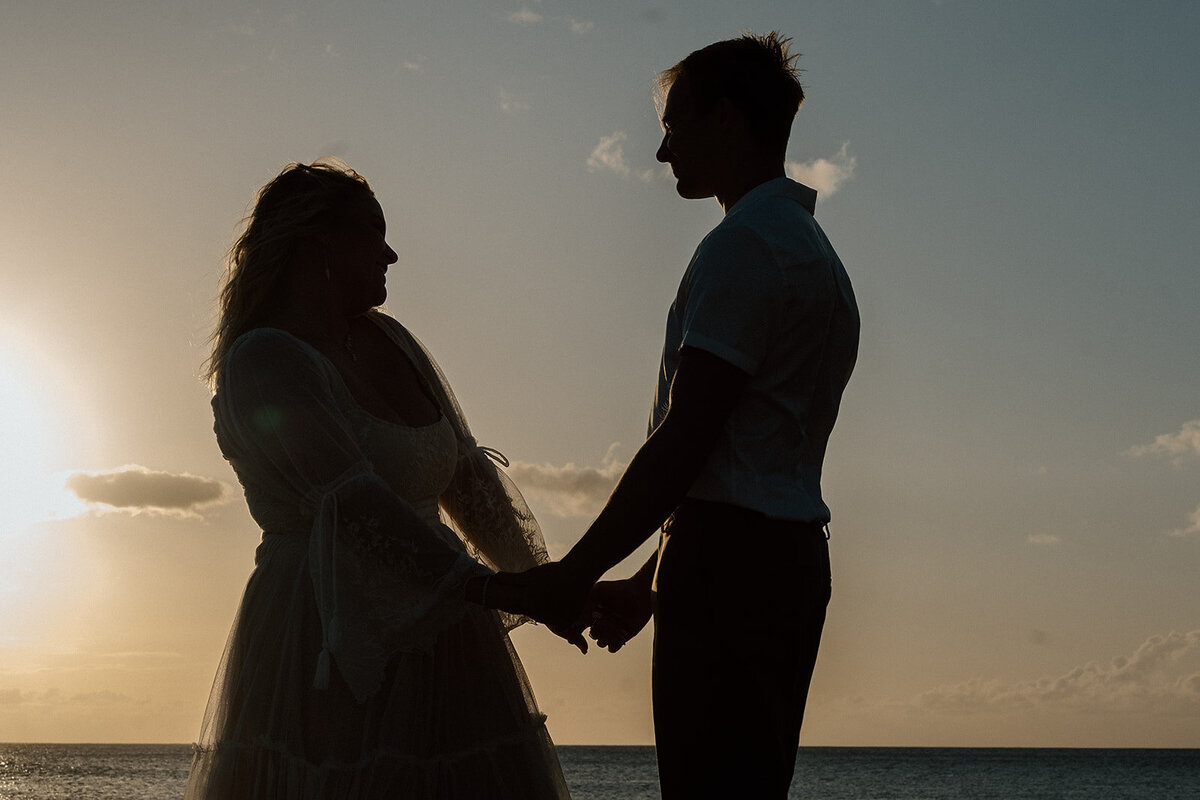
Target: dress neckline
(350,395)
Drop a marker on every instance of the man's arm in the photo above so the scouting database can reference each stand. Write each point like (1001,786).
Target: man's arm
(703,393)
(702,397)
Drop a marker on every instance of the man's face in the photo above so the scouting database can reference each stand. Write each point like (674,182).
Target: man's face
(691,144)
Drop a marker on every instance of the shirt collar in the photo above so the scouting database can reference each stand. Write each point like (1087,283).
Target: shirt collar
(782,186)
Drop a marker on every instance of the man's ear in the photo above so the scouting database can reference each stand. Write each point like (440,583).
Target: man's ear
(727,115)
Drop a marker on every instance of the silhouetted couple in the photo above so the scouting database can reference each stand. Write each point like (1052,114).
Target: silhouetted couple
(370,657)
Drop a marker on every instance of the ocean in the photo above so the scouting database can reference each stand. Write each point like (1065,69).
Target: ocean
(158,772)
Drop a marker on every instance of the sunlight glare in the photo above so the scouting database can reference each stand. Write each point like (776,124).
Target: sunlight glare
(32,483)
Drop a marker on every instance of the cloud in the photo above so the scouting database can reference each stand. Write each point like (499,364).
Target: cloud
(826,175)
(1192,529)
(1161,677)
(579,26)
(415,64)
(569,490)
(135,489)
(1176,446)
(526,16)
(510,104)
(1042,538)
(609,155)
(13,698)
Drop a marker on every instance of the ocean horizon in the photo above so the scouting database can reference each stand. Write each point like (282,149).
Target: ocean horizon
(628,772)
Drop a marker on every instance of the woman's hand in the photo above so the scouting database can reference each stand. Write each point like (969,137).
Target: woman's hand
(507,592)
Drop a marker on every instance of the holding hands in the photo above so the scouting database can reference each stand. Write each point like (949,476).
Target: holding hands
(568,602)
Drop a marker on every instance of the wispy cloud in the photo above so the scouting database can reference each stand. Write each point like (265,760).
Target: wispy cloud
(510,104)
(1161,677)
(826,175)
(569,490)
(137,490)
(579,26)
(1176,446)
(609,155)
(1043,538)
(1192,529)
(526,16)
(414,64)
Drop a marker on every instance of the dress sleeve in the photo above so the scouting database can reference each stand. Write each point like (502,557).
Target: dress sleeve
(385,580)
(734,298)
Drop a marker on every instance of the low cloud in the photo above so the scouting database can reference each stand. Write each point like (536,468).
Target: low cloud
(569,490)
(54,698)
(137,490)
(526,16)
(826,175)
(510,104)
(1176,446)
(1161,677)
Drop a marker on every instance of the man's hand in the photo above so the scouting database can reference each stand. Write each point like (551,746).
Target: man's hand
(619,611)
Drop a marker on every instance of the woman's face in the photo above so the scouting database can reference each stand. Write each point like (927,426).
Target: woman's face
(360,257)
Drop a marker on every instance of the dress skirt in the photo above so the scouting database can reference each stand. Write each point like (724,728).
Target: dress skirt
(458,722)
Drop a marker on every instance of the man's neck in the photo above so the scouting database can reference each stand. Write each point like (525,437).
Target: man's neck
(747,180)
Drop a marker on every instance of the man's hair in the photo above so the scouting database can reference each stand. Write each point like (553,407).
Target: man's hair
(757,74)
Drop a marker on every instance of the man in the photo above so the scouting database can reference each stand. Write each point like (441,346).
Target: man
(760,343)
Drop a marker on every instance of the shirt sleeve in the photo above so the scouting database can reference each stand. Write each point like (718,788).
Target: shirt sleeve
(385,579)
(733,297)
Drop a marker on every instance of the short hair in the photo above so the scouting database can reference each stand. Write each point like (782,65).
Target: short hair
(302,202)
(757,74)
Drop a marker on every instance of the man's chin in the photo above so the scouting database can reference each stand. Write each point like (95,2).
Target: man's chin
(691,192)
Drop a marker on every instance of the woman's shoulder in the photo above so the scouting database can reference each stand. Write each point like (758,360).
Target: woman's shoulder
(265,351)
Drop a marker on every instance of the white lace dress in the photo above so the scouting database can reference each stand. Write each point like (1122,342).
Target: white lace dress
(355,668)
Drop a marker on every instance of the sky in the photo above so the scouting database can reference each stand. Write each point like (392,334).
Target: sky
(1013,187)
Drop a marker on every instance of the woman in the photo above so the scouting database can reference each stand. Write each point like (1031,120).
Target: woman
(356,667)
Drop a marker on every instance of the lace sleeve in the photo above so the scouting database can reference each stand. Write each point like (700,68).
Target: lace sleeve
(482,503)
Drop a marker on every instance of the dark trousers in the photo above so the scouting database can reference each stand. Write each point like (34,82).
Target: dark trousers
(739,604)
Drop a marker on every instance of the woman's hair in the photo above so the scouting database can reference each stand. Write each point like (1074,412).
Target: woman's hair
(303,202)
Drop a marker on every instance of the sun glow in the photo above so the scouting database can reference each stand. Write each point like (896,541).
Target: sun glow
(32,475)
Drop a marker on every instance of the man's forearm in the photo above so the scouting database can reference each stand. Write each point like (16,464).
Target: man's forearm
(655,482)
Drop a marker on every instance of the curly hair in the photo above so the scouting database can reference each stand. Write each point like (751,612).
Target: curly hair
(756,73)
(303,202)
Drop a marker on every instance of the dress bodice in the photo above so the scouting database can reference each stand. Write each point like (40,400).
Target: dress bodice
(417,463)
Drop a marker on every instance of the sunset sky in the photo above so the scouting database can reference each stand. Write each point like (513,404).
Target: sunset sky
(1013,187)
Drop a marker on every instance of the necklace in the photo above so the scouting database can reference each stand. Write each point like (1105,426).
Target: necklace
(349,345)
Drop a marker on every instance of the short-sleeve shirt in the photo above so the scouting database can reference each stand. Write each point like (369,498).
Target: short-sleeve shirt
(766,292)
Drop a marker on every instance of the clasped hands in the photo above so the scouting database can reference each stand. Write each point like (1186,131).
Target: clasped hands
(569,602)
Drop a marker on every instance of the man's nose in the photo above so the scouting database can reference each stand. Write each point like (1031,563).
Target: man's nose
(663,154)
